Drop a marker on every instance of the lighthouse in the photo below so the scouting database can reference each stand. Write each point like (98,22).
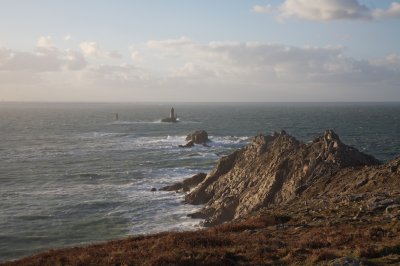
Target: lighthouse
(172,114)
(173,117)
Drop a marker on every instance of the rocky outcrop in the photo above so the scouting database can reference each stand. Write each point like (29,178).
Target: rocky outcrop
(271,170)
(198,137)
(187,184)
(189,144)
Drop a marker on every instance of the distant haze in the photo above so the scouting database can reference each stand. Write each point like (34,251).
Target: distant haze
(156,50)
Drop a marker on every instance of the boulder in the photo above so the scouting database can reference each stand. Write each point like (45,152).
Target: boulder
(189,144)
(186,184)
(198,137)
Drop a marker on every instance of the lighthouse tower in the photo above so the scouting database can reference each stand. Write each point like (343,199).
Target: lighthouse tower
(173,117)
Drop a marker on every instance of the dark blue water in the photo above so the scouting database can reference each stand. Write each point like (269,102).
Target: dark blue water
(70,174)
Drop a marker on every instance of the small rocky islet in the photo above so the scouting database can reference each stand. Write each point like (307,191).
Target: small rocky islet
(277,201)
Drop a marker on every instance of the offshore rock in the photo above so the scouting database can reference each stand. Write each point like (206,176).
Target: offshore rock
(198,137)
(271,170)
(189,144)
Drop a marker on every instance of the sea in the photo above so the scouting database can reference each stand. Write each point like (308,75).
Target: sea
(71,174)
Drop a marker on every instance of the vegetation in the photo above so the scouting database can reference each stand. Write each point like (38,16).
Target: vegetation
(264,238)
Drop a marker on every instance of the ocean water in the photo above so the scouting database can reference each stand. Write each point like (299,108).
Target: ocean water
(71,175)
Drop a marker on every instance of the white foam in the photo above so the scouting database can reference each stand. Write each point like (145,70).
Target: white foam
(230,139)
(120,122)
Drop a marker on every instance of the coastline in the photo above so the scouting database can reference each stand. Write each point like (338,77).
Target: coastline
(352,215)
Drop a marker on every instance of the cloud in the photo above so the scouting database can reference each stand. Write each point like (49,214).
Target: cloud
(324,9)
(172,43)
(73,60)
(46,58)
(328,10)
(116,74)
(67,37)
(311,73)
(392,12)
(391,61)
(262,9)
(46,43)
(220,71)
(92,49)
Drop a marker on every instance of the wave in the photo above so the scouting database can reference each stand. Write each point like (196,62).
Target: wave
(121,122)
(98,134)
(158,121)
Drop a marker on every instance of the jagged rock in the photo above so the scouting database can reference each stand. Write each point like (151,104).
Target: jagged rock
(198,137)
(189,144)
(271,170)
(187,184)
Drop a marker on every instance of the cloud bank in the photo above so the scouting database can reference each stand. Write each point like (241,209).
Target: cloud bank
(327,10)
(185,70)
(92,49)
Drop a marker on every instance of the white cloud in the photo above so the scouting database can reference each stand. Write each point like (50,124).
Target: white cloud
(220,71)
(92,49)
(324,9)
(47,58)
(392,61)
(327,10)
(74,60)
(45,42)
(173,43)
(262,9)
(263,67)
(135,55)
(392,12)
(67,37)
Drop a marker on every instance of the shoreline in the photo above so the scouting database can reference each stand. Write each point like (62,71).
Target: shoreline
(350,214)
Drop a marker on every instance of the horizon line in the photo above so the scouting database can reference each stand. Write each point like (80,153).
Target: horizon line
(186,102)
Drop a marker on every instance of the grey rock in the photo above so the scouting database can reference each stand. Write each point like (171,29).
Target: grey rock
(271,170)
(186,184)
(198,137)
(189,144)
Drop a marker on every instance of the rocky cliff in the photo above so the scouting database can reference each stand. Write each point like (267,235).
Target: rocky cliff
(271,170)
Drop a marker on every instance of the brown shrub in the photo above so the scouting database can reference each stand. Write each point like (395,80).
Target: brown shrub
(322,255)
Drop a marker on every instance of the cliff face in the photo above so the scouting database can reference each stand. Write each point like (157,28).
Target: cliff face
(271,170)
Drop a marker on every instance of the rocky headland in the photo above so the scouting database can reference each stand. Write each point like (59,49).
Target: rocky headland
(277,201)
(271,170)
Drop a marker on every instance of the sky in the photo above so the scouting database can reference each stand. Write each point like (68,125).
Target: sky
(200,51)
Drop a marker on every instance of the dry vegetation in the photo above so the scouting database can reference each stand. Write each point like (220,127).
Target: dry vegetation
(263,239)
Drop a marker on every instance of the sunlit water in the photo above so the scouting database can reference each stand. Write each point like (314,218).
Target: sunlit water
(70,174)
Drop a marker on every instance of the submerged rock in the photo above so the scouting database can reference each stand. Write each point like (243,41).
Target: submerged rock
(271,170)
